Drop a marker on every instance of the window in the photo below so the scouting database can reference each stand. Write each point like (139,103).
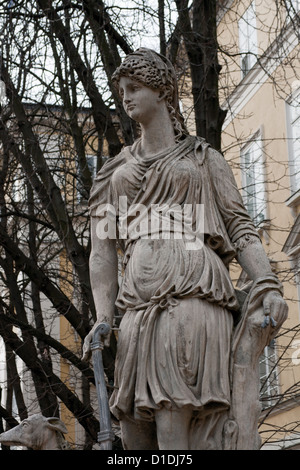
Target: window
(2,93)
(296,272)
(269,388)
(293,133)
(295,263)
(252,166)
(18,193)
(295,5)
(248,39)
(291,248)
(92,166)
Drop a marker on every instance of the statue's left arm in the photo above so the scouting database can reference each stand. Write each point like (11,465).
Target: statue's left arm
(250,252)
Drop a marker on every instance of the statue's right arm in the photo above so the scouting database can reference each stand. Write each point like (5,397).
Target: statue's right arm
(103,274)
(104,279)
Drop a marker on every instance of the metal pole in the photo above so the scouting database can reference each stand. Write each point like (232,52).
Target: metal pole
(105,436)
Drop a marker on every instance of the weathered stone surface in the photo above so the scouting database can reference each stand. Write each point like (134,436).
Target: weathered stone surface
(38,433)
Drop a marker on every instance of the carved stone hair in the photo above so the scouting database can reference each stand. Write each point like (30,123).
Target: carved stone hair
(155,71)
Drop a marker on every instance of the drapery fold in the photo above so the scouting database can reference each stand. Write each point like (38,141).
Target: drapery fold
(177,303)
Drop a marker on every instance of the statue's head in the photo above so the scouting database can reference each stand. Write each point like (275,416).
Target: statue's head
(155,71)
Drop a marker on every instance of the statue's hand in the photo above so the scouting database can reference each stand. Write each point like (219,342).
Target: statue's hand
(86,350)
(275,309)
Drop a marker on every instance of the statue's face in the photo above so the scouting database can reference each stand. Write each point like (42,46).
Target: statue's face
(140,102)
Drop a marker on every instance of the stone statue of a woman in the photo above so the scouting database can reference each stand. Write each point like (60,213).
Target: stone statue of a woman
(174,373)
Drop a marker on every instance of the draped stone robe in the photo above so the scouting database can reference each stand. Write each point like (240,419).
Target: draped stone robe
(177,303)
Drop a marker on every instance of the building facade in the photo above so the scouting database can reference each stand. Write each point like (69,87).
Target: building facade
(260,87)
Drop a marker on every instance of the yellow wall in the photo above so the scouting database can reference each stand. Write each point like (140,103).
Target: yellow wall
(68,339)
(265,110)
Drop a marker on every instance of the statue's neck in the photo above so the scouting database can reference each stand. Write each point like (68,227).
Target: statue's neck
(159,135)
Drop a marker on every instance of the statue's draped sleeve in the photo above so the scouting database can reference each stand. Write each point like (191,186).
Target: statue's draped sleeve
(228,199)
(101,192)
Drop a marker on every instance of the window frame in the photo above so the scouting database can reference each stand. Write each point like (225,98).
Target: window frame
(248,55)
(291,105)
(260,215)
(268,385)
(91,161)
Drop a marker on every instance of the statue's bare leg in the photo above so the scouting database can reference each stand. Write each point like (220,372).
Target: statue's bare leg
(173,428)
(138,435)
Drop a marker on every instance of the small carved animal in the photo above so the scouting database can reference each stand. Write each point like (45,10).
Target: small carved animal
(37,433)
